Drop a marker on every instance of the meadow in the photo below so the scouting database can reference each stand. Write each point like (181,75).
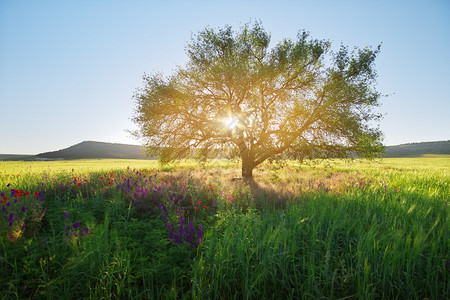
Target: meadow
(132,229)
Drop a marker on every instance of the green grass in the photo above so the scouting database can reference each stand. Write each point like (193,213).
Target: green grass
(328,230)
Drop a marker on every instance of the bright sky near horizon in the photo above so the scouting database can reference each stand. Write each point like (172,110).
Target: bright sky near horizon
(68,69)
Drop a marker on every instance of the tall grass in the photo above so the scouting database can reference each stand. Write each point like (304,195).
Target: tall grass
(134,229)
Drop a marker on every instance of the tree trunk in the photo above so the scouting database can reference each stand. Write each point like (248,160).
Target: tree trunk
(248,159)
(247,168)
(248,163)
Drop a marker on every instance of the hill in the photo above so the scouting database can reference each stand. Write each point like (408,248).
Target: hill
(16,157)
(96,150)
(418,149)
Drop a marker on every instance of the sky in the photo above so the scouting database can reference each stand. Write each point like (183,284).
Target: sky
(68,69)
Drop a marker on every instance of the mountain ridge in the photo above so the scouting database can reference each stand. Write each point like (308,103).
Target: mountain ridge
(418,149)
(95,150)
(100,150)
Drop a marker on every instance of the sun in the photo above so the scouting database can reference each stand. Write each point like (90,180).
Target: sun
(231,122)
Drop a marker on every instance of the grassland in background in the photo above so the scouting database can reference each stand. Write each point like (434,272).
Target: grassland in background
(134,229)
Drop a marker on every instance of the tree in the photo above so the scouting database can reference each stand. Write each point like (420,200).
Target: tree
(299,99)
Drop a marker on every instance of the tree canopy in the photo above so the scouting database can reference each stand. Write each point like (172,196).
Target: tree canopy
(236,94)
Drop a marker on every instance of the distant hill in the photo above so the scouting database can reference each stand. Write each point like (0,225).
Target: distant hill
(16,157)
(96,150)
(418,149)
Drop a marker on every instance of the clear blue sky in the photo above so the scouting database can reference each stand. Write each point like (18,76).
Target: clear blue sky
(68,69)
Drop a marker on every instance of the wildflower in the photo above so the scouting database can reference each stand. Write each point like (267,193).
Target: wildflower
(23,209)
(169,227)
(76,225)
(42,213)
(66,215)
(200,235)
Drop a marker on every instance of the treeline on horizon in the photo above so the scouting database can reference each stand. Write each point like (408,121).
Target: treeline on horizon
(100,150)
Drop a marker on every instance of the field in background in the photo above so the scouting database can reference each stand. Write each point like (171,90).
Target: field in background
(134,229)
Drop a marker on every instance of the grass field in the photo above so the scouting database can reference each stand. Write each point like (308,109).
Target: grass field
(120,229)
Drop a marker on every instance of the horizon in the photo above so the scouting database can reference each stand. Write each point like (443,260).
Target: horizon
(33,154)
(69,69)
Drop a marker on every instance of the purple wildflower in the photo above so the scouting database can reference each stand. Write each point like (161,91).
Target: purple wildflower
(42,213)
(169,227)
(66,215)
(76,225)
(23,209)
(200,235)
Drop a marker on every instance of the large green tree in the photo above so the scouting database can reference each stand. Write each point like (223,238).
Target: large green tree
(235,93)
